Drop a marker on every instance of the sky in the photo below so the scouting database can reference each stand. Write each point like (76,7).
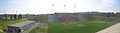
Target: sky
(45,6)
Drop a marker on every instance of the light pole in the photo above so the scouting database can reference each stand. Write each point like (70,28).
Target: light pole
(74,8)
(64,7)
(5,11)
(53,7)
(5,14)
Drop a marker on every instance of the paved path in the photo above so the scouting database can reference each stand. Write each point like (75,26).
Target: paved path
(34,26)
(113,29)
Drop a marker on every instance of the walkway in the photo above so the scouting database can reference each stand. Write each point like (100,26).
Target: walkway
(113,29)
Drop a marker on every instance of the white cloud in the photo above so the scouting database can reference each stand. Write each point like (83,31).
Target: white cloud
(105,5)
(45,6)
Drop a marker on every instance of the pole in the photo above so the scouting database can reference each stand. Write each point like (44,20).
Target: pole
(53,7)
(74,8)
(64,7)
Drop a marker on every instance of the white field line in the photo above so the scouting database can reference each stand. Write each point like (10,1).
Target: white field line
(113,29)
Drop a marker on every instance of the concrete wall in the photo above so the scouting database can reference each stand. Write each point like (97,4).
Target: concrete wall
(52,18)
(55,17)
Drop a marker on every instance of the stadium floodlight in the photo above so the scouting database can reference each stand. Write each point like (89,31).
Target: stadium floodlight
(53,5)
(74,8)
(64,7)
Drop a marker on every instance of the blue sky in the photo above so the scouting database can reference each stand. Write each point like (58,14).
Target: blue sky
(45,6)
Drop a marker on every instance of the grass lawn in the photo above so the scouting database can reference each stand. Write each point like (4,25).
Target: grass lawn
(90,25)
(85,27)
(36,30)
(1,32)
(5,23)
(39,29)
(42,24)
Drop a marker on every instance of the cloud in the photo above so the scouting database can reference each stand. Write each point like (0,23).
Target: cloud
(45,6)
(105,5)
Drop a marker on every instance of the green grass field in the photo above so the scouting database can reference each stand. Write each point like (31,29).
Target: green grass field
(39,29)
(42,24)
(85,27)
(73,27)
(90,25)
